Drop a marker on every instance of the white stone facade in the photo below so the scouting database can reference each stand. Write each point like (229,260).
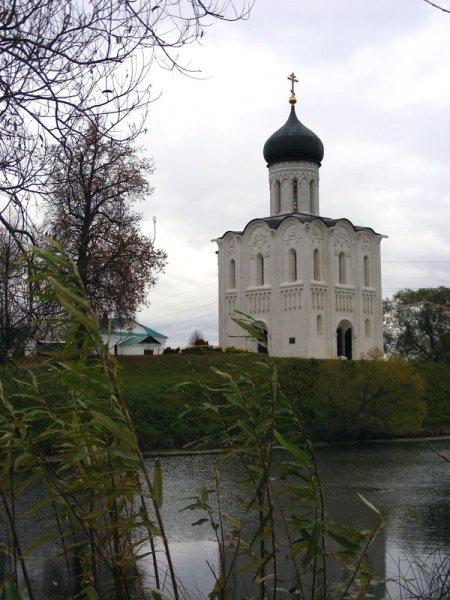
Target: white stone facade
(294,187)
(313,283)
(304,279)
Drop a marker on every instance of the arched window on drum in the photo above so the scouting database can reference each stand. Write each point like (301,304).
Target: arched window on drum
(319,325)
(295,195)
(277,197)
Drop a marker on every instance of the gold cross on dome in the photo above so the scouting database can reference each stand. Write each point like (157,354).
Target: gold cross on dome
(293,79)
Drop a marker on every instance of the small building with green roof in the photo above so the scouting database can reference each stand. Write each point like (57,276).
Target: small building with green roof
(134,340)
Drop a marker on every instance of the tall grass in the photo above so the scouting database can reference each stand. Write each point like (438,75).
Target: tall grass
(65,427)
(290,542)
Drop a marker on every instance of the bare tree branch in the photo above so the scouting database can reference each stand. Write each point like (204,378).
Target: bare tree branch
(65,61)
(446,10)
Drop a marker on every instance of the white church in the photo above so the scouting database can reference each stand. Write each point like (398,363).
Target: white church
(312,283)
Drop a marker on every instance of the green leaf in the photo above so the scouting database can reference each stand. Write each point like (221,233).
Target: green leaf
(365,578)
(252,327)
(312,544)
(11,591)
(343,541)
(370,505)
(300,491)
(120,430)
(200,522)
(298,453)
(91,593)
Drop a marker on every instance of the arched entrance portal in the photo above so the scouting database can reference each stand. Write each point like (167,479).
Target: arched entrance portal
(263,348)
(344,340)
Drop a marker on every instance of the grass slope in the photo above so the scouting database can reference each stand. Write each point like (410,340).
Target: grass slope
(405,399)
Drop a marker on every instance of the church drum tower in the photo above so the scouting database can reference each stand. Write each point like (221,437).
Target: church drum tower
(313,283)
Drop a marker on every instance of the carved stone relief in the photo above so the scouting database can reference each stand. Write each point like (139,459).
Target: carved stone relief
(341,236)
(292,232)
(259,237)
(365,238)
(317,232)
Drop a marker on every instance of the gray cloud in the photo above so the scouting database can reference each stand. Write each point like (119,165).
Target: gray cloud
(374,85)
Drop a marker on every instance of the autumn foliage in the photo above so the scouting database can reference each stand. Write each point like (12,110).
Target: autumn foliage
(94,186)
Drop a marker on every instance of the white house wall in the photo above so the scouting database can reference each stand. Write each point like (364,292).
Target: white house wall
(138,349)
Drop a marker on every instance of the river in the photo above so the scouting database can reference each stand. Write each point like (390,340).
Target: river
(407,482)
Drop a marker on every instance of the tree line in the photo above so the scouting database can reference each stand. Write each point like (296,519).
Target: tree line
(417,324)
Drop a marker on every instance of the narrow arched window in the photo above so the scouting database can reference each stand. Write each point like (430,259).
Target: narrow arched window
(232,274)
(367,327)
(294,195)
(277,197)
(259,269)
(319,325)
(366,271)
(342,277)
(292,265)
(316,265)
(312,197)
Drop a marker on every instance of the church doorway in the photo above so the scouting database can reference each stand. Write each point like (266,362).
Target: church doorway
(344,340)
(263,348)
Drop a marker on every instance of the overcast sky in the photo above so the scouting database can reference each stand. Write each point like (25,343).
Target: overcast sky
(374,85)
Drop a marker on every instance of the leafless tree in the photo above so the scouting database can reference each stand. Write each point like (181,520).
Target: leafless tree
(62,60)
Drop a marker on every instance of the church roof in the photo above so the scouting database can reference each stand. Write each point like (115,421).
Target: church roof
(293,141)
(274,222)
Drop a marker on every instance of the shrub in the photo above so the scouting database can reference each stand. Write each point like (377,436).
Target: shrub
(170,350)
(368,398)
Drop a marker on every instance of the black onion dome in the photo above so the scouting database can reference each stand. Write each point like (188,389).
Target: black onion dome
(293,141)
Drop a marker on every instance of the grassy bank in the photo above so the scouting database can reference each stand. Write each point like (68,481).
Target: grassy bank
(338,400)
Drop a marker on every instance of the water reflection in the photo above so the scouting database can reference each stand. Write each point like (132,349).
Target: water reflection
(407,482)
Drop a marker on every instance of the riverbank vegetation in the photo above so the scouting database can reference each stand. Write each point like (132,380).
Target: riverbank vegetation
(339,400)
(66,432)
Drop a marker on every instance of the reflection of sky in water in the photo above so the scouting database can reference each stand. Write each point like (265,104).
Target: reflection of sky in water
(195,562)
(183,476)
(407,482)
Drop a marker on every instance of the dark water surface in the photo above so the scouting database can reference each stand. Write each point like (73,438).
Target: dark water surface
(407,482)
